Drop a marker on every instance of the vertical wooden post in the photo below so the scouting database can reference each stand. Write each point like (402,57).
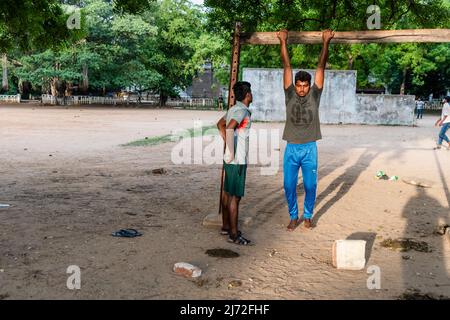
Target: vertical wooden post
(235,55)
(234,73)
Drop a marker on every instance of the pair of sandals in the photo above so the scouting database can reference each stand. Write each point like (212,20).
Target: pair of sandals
(240,240)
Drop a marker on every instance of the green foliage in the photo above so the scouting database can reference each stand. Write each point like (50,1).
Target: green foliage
(132,6)
(377,65)
(269,15)
(158,46)
(33,24)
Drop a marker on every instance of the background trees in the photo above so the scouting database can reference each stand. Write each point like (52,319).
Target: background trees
(413,68)
(160,45)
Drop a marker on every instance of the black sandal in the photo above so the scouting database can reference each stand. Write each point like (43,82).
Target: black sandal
(239,240)
(126,233)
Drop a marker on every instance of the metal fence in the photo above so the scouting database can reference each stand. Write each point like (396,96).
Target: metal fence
(192,103)
(10,98)
(435,104)
(80,100)
(187,103)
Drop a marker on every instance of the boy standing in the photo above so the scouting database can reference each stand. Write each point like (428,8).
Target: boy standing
(234,128)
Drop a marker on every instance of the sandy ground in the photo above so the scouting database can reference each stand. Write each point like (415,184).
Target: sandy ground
(70,184)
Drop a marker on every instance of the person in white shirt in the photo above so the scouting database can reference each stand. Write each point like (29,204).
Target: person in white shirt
(420,106)
(444,122)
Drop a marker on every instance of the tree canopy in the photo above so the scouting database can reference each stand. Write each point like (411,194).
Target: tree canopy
(415,66)
(160,45)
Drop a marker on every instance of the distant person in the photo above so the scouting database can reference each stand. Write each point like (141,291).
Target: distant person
(302,130)
(220,103)
(234,128)
(444,122)
(420,106)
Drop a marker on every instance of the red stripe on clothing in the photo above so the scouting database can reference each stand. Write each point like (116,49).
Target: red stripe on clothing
(243,124)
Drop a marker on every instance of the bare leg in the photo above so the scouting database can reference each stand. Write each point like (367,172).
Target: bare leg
(233,211)
(225,214)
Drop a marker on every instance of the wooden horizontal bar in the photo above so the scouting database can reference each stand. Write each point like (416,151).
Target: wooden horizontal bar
(368,36)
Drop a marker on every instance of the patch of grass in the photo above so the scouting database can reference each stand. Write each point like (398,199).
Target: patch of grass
(222,253)
(405,245)
(189,133)
(152,141)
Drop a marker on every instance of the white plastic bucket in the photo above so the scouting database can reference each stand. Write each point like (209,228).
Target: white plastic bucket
(349,254)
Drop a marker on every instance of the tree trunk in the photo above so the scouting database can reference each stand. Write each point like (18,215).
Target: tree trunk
(24,88)
(5,72)
(350,62)
(402,87)
(54,82)
(54,86)
(20,85)
(68,91)
(45,86)
(162,99)
(85,83)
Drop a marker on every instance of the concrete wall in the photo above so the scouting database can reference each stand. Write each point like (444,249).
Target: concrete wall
(339,102)
(384,109)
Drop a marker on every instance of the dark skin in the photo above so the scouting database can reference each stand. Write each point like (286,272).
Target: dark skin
(302,88)
(440,121)
(230,204)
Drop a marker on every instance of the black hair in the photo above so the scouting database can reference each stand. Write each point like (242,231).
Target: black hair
(303,76)
(447,98)
(241,88)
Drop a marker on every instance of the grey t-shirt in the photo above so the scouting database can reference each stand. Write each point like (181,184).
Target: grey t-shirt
(242,115)
(302,116)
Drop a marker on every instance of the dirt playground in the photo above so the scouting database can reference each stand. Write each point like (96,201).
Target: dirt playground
(70,183)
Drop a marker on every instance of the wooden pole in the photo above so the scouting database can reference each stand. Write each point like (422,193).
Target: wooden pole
(234,73)
(368,36)
(235,56)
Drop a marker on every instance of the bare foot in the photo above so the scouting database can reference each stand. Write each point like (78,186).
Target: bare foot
(292,225)
(307,224)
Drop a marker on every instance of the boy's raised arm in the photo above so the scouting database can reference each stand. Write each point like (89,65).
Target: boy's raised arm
(287,73)
(327,35)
